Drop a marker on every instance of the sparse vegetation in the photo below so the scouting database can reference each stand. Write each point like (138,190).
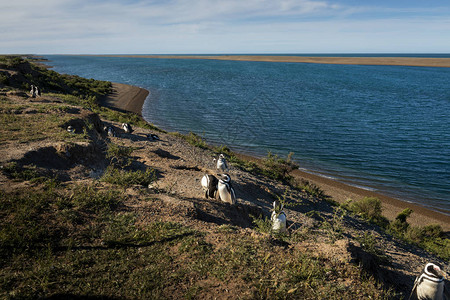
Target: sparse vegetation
(193,139)
(429,237)
(128,178)
(119,156)
(335,226)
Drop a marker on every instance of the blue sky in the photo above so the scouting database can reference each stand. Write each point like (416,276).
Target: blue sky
(224,26)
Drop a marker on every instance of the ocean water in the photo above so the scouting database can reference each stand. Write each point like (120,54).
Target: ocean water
(382,128)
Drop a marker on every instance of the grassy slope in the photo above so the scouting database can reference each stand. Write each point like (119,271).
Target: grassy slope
(63,239)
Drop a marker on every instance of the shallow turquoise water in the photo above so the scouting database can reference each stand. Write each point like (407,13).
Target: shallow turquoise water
(384,128)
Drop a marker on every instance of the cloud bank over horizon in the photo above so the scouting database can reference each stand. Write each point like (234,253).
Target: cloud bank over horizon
(234,26)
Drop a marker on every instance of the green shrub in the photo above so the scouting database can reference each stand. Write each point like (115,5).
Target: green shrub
(278,168)
(370,209)
(13,171)
(194,140)
(311,189)
(263,225)
(369,244)
(89,199)
(400,225)
(119,156)
(128,178)
(431,238)
(4,79)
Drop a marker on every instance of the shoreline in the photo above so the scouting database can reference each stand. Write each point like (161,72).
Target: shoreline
(126,97)
(131,98)
(380,61)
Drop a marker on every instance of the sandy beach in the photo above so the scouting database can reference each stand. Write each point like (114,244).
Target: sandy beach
(386,61)
(132,98)
(126,98)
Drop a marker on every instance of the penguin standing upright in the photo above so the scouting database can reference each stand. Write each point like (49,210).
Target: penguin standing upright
(278,217)
(222,163)
(429,284)
(209,184)
(33,91)
(226,191)
(127,128)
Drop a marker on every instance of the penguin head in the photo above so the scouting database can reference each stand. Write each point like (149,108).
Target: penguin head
(277,206)
(224,177)
(221,156)
(434,271)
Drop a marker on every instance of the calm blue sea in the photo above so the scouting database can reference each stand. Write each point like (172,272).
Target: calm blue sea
(383,128)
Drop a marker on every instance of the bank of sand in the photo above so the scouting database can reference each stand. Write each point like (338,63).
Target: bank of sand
(386,61)
(132,98)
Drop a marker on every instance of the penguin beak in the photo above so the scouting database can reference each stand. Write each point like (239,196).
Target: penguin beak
(439,271)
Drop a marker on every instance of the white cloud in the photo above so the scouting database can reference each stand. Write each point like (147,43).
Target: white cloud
(177,26)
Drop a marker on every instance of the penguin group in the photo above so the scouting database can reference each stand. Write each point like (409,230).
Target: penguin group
(219,187)
(34,92)
(430,284)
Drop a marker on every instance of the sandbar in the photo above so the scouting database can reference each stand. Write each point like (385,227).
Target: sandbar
(386,61)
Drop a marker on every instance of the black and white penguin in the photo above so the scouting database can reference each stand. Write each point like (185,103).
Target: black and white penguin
(33,91)
(153,137)
(226,191)
(429,284)
(209,184)
(70,129)
(278,217)
(222,163)
(127,128)
(110,131)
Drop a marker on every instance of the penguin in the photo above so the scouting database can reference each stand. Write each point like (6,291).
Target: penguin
(225,190)
(278,218)
(33,91)
(209,184)
(222,163)
(70,129)
(127,128)
(153,137)
(429,284)
(110,131)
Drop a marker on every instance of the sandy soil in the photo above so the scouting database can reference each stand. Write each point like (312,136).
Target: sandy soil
(387,61)
(132,98)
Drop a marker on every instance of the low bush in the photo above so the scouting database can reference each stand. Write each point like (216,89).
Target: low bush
(194,140)
(399,226)
(127,178)
(278,168)
(119,156)
(370,209)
